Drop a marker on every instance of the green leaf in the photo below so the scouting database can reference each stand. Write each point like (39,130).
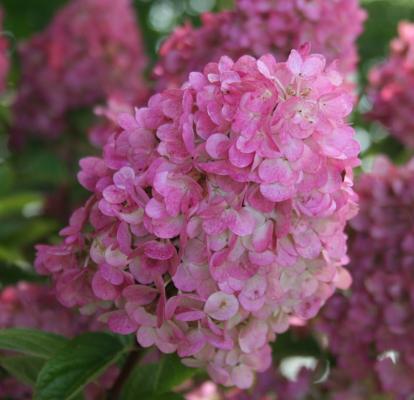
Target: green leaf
(81,361)
(171,373)
(6,173)
(139,382)
(13,257)
(290,344)
(379,29)
(24,368)
(25,18)
(10,275)
(152,380)
(32,342)
(14,203)
(39,166)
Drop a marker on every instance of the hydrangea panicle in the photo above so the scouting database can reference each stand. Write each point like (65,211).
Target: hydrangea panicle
(91,51)
(371,331)
(260,27)
(390,86)
(217,213)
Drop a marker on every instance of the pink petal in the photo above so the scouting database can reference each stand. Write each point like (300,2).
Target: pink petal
(286,253)
(265,258)
(115,257)
(155,209)
(340,144)
(142,317)
(267,66)
(158,250)
(114,195)
(221,306)
(123,236)
(338,105)
(183,279)
(243,224)
(252,295)
(126,121)
(190,316)
(253,336)
(146,336)
(276,192)
(262,236)
(313,65)
(102,288)
(140,295)
(307,244)
(276,170)
(217,145)
(242,376)
(343,279)
(112,274)
(119,322)
(193,343)
(169,228)
(124,177)
(295,62)
(239,159)
(291,148)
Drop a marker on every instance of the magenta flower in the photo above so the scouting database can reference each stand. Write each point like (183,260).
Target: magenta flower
(214,219)
(91,51)
(390,86)
(371,331)
(260,27)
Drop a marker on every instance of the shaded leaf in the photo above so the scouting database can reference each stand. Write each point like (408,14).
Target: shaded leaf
(14,203)
(23,368)
(32,342)
(81,361)
(11,274)
(171,373)
(153,380)
(289,344)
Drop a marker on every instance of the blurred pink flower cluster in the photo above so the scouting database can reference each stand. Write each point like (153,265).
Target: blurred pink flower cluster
(371,332)
(272,385)
(260,27)
(29,305)
(32,305)
(4,60)
(92,50)
(390,86)
(217,213)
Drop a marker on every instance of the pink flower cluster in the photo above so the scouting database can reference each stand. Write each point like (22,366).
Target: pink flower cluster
(4,60)
(91,50)
(269,385)
(272,385)
(260,27)
(30,305)
(217,213)
(391,84)
(371,332)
